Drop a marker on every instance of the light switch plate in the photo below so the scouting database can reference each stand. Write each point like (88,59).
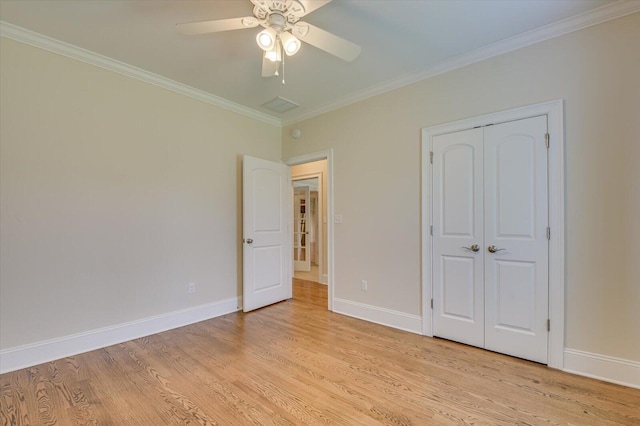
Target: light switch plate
(337,218)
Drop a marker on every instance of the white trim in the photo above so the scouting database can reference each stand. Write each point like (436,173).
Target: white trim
(615,370)
(555,119)
(307,158)
(387,317)
(74,52)
(587,19)
(49,350)
(324,278)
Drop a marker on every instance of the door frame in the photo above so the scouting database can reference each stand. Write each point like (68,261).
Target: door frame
(321,225)
(554,110)
(308,158)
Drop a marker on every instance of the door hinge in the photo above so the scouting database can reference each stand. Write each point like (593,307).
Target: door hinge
(431,303)
(548,324)
(431,157)
(431,230)
(548,233)
(546,139)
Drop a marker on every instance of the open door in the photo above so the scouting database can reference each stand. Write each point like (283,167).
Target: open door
(266,193)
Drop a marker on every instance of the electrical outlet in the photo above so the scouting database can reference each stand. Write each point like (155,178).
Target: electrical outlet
(192,288)
(364,285)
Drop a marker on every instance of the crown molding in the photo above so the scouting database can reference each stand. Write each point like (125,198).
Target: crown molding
(587,19)
(74,52)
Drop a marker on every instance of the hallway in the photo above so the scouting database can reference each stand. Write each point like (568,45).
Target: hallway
(312,275)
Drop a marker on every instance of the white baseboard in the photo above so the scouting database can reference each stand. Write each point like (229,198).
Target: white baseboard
(609,369)
(49,350)
(388,317)
(324,279)
(602,367)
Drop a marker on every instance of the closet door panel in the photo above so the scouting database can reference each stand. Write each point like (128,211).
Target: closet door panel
(458,287)
(516,245)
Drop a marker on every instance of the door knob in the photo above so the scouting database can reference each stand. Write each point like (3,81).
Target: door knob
(494,249)
(249,241)
(474,247)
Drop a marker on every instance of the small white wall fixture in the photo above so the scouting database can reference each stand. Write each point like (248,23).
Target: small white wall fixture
(554,110)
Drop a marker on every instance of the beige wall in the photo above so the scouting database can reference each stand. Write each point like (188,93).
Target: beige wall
(312,168)
(377,167)
(115,194)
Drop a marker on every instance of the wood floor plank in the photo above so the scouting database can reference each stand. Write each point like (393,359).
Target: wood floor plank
(296,363)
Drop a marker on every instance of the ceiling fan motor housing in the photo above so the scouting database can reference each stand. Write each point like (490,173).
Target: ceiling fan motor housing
(277,22)
(280,15)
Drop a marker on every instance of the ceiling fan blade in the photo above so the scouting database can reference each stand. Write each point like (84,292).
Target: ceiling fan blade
(311,5)
(204,27)
(269,68)
(326,41)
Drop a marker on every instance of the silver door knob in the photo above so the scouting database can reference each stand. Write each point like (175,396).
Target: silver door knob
(474,247)
(249,241)
(494,249)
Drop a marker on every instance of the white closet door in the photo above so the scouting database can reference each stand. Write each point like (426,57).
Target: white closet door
(490,193)
(516,220)
(458,282)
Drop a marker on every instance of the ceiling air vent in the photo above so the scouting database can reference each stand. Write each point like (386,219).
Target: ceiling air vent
(280,105)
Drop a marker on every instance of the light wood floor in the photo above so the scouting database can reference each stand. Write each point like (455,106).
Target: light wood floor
(295,363)
(308,276)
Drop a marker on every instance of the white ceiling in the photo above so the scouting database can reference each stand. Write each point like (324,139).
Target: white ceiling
(402,42)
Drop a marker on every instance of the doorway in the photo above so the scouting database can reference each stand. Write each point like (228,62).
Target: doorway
(306,171)
(307,228)
(310,220)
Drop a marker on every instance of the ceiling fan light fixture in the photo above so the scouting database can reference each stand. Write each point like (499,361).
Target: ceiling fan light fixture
(274,55)
(266,39)
(290,44)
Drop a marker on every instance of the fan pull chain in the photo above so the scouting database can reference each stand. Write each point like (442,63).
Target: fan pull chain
(280,51)
(283,55)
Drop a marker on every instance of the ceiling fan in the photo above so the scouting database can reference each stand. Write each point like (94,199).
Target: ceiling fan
(282,32)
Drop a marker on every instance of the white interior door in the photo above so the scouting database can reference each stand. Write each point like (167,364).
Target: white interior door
(490,189)
(458,282)
(266,194)
(516,220)
(301,228)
